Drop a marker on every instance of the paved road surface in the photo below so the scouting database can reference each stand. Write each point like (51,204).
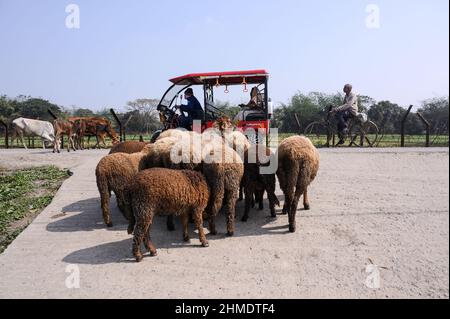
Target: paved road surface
(383,207)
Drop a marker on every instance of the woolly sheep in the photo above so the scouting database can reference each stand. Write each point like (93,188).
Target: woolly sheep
(298,164)
(163,191)
(128,147)
(256,183)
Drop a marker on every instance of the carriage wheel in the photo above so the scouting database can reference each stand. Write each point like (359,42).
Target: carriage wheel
(364,134)
(319,134)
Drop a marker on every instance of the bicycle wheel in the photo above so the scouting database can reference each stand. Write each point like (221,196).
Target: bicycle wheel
(319,134)
(364,134)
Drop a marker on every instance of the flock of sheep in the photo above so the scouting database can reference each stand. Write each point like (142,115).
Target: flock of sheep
(196,176)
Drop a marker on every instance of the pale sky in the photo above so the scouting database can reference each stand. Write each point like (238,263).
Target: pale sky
(125,50)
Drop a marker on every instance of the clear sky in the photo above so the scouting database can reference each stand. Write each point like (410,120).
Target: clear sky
(125,50)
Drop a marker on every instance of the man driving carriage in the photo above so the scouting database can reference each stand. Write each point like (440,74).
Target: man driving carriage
(346,112)
(193,109)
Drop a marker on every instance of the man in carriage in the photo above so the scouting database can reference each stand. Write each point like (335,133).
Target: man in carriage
(193,109)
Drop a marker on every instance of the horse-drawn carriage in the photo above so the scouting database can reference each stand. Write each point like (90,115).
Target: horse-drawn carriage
(252,118)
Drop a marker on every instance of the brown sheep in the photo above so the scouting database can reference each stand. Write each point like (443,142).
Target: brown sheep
(223,170)
(115,172)
(256,183)
(221,166)
(163,191)
(128,147)
(298,164)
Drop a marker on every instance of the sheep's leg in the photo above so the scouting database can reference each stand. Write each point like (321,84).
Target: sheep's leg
(185,222)
(273,200)
(306,200)
(170,224)
(43,143)
(148,240)
(131,224)
(105,195)
(288,198)
(293,211)
(253,201)
(139,235)
(241,191)
(198,219)
(230,209)
(105,208)
(216,199)
(212,225)
(248,201)
(260,199)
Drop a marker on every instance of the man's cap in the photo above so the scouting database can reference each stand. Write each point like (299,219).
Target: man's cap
(189,91)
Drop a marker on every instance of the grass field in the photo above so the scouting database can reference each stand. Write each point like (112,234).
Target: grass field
(23,195)
(391,140)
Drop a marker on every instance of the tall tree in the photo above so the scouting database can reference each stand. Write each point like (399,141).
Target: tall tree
(144,114)
(436,111)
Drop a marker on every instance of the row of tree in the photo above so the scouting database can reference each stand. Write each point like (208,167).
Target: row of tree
(387,115)
(141,115)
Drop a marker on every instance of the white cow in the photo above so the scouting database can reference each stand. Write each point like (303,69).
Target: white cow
(29,127)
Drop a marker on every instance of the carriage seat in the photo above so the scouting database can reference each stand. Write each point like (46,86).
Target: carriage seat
(247,114)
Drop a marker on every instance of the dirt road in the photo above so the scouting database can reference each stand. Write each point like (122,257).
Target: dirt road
(378,228)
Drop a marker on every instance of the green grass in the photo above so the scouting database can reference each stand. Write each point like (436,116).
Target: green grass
(389,140)
(23,195)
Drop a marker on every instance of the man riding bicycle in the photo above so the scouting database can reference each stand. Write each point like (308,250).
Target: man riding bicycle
(346,112)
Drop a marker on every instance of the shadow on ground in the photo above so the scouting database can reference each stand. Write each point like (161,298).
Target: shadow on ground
(88,218)
(86,215)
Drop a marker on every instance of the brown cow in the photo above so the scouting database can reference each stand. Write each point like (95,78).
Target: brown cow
(63,127)
(79,126)
(99,127)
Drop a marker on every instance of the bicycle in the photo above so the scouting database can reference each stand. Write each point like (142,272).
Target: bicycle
(323,133)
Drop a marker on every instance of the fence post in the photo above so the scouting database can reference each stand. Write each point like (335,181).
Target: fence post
(125,127)
(52,114)
(6,134)
(402,143)
(329,137)
(141,138)
(427,126)
(118,123)
(298,122)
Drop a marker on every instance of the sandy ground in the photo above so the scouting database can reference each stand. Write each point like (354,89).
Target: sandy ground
(387,208)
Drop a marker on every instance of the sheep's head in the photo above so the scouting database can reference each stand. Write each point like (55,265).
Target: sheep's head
(223,123)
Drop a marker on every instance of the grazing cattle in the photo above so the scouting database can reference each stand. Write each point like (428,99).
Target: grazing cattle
(30,127)
(99,127)
(63,127)
(79,129)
